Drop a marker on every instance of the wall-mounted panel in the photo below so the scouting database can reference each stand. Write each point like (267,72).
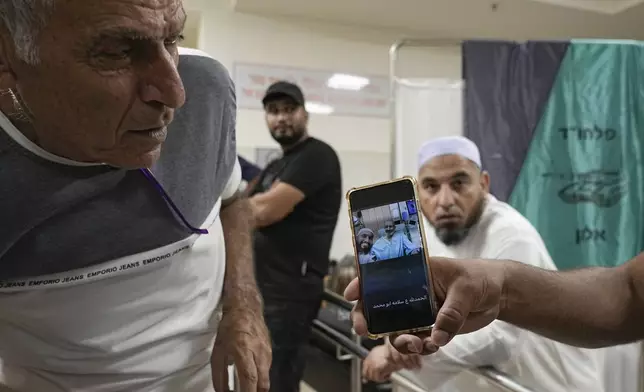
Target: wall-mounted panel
(327,92)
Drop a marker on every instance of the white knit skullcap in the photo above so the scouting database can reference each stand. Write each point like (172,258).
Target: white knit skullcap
(449,145)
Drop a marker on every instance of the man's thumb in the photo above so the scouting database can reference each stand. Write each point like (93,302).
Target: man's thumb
(452,315)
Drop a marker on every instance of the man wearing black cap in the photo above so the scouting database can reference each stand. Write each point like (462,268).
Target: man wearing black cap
(296,201)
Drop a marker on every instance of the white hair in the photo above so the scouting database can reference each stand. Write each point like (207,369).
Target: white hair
(24,19)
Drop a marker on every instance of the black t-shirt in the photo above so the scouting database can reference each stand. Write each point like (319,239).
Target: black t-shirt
(295,251)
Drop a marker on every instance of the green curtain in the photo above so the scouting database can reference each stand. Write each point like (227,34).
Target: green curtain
(582,182)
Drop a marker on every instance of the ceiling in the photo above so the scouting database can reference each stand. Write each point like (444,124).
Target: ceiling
(462,19)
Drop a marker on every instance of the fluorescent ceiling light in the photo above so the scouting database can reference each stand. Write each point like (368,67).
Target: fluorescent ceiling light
(318,108)
(347,82)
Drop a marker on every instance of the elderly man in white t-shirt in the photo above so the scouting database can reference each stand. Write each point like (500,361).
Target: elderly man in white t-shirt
(467,222)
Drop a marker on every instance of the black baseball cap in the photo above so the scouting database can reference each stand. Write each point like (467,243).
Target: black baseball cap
(284,89)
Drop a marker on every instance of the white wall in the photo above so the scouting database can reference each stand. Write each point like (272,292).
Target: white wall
(363,144)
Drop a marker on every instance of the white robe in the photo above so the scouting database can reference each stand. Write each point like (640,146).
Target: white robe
(536,362)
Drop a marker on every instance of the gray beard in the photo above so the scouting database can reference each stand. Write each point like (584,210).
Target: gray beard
(453,237)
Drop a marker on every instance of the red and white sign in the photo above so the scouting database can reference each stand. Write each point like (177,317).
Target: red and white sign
(252,80)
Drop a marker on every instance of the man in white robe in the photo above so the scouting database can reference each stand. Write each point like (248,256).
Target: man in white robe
(393,244)
(465,221)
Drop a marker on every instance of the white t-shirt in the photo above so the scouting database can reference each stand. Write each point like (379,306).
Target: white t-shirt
(536,362)
(103,288)
(149,328)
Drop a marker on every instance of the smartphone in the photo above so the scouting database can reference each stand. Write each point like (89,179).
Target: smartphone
(391,258)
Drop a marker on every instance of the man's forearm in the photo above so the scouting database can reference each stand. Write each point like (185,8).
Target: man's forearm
(261,213)
(240,286)
(591,307)
(256,212)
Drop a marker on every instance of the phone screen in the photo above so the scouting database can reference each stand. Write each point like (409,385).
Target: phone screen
(394,277)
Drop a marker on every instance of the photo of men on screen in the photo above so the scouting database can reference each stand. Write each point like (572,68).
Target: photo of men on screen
(387,232)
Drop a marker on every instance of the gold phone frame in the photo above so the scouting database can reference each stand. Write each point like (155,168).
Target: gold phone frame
(423,239)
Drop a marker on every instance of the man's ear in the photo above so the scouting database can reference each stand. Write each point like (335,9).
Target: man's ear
(485,181)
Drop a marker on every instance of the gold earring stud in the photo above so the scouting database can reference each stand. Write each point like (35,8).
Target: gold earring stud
(19,113)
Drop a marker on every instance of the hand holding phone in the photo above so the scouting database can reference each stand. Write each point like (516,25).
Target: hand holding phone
(470,294)
(391,258)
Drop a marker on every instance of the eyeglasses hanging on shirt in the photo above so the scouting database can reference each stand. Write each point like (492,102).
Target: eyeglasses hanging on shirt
(148,174)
